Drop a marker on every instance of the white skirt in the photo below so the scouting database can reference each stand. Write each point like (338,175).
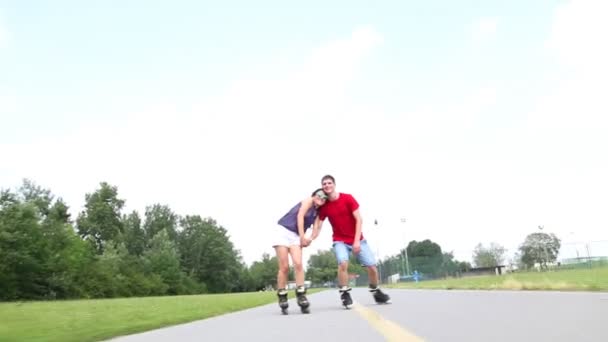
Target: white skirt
(285,237)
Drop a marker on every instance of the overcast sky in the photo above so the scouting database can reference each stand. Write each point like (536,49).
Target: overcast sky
(474,121)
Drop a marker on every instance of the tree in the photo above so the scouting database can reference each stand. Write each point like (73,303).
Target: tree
(463,266)
(208,255)
(426,257)
(493,255)
(40,254)
(100,222)
(162,258)
(32,193)
(68,254)
(159,218)
(22,251)
(539,248)
(134,236)
(322,267)
(264,272)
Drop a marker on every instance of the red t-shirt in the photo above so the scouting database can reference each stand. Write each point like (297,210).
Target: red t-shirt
(340,215)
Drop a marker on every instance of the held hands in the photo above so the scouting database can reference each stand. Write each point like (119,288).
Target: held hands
(305,242)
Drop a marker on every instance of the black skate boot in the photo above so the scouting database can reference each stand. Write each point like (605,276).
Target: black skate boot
(347,301)
(283,304)
(302,300)
(379,296)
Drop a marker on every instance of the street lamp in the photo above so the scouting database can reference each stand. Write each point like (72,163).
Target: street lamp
(407,263)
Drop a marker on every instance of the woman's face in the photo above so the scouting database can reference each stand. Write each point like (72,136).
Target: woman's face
(318,200)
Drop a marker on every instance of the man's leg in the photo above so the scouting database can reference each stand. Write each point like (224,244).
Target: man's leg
(342,252)
(372,274)
(366,258)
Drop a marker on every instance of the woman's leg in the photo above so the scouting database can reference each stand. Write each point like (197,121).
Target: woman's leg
(283,260)
(296,257)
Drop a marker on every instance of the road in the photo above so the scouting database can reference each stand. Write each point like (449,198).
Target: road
(414,315)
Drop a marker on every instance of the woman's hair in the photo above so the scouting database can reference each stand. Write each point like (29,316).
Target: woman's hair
(315,192)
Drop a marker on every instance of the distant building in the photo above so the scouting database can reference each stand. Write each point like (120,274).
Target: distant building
(492,270)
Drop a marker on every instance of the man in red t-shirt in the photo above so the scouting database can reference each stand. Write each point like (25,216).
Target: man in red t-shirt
(342,210)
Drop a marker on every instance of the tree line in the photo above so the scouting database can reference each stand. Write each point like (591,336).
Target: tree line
(103,252)
(538,249)
(45,253)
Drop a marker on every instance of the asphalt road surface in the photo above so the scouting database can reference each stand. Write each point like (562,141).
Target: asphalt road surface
(414,315)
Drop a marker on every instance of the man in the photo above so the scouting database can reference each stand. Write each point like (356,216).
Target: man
(342,210)
(289,239)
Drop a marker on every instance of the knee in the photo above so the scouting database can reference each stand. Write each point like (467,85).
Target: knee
(297,266)
(283,268)
(343,266)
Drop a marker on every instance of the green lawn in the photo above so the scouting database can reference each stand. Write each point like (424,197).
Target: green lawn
(595,279)
(94,320)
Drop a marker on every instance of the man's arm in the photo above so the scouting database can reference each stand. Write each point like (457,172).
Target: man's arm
(358,221)
(316,228)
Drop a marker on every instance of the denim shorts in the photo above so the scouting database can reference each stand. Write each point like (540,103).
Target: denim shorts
(365,255)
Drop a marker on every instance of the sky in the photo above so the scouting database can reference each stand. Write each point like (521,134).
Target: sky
(461,122)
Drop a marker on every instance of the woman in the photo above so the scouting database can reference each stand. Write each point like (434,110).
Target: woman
(289,240)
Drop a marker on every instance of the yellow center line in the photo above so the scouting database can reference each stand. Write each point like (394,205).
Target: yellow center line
(392,331)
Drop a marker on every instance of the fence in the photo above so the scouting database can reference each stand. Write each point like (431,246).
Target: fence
(572,255)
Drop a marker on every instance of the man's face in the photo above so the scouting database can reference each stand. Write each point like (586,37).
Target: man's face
(328,186)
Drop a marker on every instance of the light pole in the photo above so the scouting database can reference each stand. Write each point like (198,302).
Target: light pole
(407,262)
(575,246)
(378,253)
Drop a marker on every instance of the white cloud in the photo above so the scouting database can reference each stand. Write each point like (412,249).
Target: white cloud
(246,156)
(574,115)
(566,136)
(579,34)
(8,105)
(4,34)
(484,29)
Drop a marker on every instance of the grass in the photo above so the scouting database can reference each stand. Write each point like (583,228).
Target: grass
(94,320)
(564,280)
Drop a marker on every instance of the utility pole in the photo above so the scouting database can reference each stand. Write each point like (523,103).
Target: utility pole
(407,263)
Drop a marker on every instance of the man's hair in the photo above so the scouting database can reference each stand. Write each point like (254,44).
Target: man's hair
(330,177)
